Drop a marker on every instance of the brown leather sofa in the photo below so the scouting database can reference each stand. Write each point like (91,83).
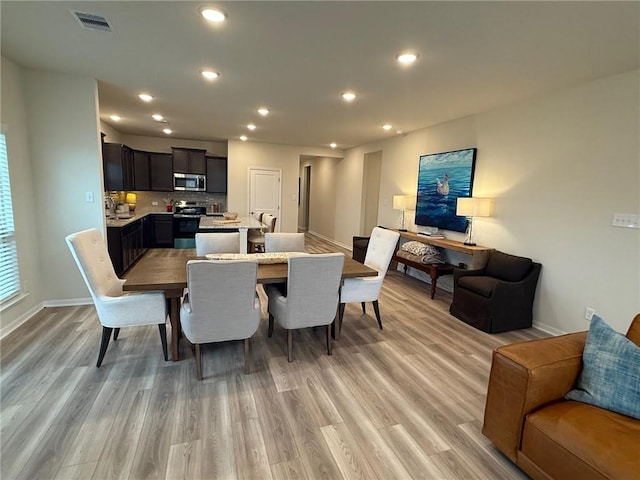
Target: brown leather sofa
(528,419)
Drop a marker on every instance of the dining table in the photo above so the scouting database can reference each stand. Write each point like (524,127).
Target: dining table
(165,270)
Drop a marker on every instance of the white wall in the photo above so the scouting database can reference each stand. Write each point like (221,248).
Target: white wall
(14,124)
(66,161)
(322,198)
(243,155)
(164,144)
(559,166)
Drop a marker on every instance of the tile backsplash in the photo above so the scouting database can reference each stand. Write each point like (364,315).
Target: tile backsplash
(144,200)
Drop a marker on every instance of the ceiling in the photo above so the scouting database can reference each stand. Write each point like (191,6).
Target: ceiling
(297,57)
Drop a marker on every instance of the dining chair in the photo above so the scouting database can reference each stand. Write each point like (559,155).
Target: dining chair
(221,305)
(311,297)
(283,242)
(115,308)
(217,242)
(256,238)
(380,250)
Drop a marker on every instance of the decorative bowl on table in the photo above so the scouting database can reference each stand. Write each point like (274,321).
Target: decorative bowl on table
(230,215)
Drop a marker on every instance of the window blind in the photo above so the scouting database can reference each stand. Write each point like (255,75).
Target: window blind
(9,277)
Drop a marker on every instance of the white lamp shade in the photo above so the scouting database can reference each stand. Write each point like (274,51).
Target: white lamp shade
(474,207)
(404,202)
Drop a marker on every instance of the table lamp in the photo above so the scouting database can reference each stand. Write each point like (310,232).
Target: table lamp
(131,200)
(473,207)
(404,203)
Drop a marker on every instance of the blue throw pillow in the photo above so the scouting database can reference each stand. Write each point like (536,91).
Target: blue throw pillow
(610,376)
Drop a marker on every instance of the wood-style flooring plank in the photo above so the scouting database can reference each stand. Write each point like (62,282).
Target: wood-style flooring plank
(400,403)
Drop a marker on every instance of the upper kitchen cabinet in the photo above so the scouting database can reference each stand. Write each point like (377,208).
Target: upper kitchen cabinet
(216,174)
(119,173)
(189,160)
(142,175)
(161,166)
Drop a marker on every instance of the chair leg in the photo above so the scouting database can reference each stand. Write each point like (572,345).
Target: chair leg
(163,338)
(329,346)
(289,346)
(106,335)
(340,317)
(377,310)
(116,332)
(270,329)
(198,362)
(364,307)
(246,356)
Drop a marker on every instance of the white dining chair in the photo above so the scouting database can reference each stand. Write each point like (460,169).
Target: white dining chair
(283,242)
(217,242)
(381,247)
(221,305)
(115,308)
(256,237)
(311,297)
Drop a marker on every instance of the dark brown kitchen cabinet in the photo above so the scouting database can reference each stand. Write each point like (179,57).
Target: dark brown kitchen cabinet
(161,167)
(217,174)
(119,172)
(126,245)
(189,160)
(142,175)
(160,231)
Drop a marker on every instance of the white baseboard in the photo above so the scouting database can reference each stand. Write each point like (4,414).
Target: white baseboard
(69,302)
(330,240)
(548,329)
(7,329)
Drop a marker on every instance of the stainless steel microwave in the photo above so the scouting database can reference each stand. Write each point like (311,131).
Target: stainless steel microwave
(189,182)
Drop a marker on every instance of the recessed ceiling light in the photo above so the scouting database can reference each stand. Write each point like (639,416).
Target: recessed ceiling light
(349,96)
(115,118)
(210,74)
(251,126)
(213,14)
(333,145)
(400,132)
(243,138)
(168,131)
(387,126)
(263,111)
(157,117)
(145,97)
(407,58)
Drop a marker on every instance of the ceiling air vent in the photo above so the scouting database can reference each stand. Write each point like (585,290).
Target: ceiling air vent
(92,22)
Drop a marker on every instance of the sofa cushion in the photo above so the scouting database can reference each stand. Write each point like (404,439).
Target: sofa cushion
(576,440)
(479,284)
(610,376)
(509,268)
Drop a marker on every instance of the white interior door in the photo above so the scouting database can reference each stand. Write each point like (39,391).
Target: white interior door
(264,192)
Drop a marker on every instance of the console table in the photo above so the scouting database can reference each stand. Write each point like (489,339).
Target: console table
(479,255)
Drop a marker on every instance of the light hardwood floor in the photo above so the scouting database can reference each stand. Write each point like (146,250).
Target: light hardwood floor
(405,402)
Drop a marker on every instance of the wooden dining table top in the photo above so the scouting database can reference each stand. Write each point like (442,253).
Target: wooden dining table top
(159,269)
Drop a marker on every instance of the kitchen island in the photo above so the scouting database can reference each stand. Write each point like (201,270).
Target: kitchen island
(242,224)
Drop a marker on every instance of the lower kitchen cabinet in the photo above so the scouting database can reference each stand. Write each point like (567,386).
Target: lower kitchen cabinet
(160,231)
(126,245)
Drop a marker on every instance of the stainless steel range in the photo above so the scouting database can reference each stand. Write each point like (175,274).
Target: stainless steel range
(186,221)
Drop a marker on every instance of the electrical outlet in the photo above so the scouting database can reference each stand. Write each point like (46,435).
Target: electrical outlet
(626,220)
(88,197)
(588,313)
(155,204)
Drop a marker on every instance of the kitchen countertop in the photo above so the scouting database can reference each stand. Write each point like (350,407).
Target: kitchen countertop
(123,222)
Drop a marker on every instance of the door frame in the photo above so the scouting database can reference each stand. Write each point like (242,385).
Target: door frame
(250,186)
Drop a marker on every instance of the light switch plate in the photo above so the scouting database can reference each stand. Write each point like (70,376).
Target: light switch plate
(626,220)
(88,197)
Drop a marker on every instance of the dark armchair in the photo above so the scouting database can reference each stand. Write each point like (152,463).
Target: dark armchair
(498,297)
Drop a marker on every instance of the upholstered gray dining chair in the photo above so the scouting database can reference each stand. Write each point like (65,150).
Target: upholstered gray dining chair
(221,304)
(380,250)
(283,242)
(115,308)
(217,242)
(311,297)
